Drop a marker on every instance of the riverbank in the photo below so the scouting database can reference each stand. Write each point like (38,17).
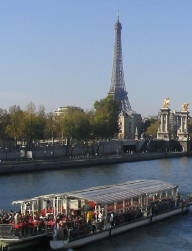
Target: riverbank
(53,164)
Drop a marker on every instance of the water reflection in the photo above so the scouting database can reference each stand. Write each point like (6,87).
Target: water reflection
(184,160)
(165,164)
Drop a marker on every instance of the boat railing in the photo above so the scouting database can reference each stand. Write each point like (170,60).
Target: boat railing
(6,231)
(15,231)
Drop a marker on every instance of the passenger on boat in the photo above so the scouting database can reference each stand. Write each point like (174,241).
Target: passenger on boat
(25,224)
(163,205)
(100,216)
(111,219)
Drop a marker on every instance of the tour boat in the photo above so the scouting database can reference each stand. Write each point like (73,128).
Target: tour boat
(100,212)
(74,219)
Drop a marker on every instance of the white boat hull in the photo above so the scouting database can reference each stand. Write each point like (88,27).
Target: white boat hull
(60,244)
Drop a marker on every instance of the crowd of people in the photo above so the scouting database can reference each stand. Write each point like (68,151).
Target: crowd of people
(23,224)
(77,223)
(163,205)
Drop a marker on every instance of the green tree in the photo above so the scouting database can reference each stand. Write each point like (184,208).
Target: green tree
(152,129)
(74,125)
(105,121)
(145,124)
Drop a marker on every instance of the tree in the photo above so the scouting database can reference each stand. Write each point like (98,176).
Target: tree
(4,121)
(14,128)
(31,108)
(152,129)
(34,125)
(41,122)
(74,125)
(50,126)
(105,121)
(146,124)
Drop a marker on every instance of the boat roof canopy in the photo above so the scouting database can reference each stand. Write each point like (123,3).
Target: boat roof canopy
(123,191)
(112,193)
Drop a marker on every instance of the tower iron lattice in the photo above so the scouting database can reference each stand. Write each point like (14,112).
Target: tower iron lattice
(117,88)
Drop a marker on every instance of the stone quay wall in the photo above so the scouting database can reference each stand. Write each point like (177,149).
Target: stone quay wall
(63,151)
(39,165)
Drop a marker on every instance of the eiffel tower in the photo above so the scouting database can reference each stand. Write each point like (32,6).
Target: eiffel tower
(117,88)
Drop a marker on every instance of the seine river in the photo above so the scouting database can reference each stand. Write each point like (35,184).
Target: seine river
(172,234)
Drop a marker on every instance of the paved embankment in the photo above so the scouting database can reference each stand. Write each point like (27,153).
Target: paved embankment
(52,164)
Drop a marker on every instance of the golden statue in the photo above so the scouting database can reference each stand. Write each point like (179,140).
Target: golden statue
(166,103)
(185,107)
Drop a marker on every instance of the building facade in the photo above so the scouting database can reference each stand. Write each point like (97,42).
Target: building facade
(62,110)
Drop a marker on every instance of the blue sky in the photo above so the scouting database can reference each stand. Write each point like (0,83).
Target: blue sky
(59,52)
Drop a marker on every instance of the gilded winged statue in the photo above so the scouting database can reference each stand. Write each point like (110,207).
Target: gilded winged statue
(166,103)
(185,107)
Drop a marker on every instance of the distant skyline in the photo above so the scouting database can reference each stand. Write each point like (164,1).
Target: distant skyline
(59,53)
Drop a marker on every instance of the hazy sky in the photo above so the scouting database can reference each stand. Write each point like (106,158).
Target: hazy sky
(59,52)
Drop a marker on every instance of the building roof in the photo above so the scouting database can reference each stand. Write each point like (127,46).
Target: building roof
(113,193)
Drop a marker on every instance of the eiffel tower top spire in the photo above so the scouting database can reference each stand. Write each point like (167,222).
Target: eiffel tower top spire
(117,88)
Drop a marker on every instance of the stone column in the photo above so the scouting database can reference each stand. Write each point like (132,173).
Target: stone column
(161,126)
(166,123)
(164,132)
(185,125)
(182,132)
(181,123)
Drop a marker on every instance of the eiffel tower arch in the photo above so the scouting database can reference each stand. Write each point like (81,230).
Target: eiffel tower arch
(129,121)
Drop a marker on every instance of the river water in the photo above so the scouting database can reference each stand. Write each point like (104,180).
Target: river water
(171,234)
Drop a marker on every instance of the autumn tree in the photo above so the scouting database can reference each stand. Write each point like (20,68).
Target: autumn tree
(34,125)
(4,121)
(14,128)
(50,131)
(30,125)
